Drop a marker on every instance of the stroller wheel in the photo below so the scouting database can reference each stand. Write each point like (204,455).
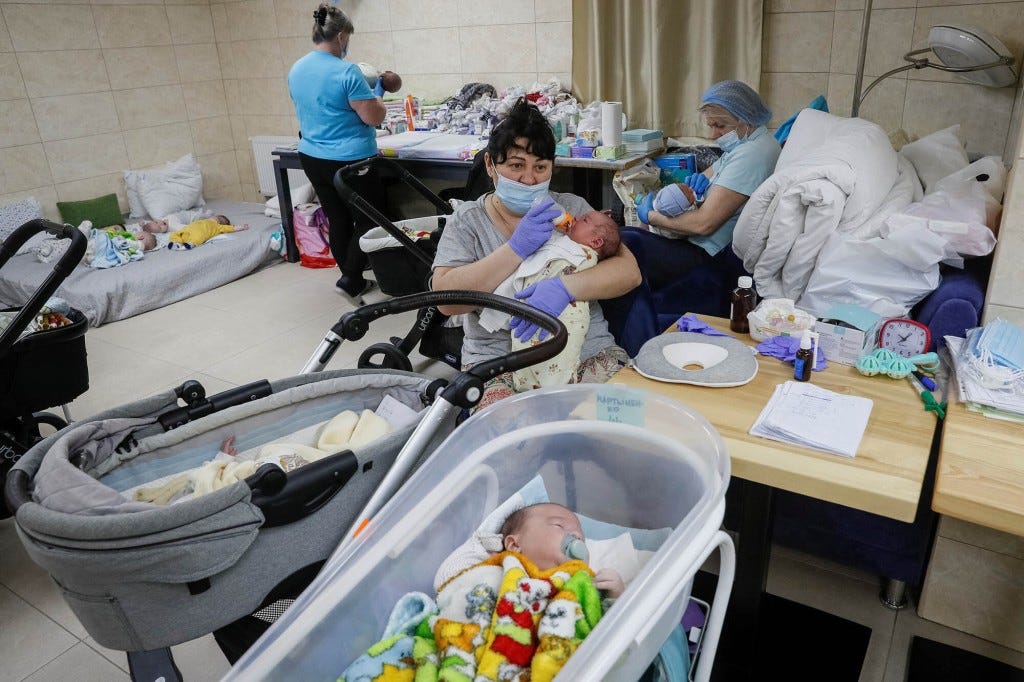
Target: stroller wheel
(391,358)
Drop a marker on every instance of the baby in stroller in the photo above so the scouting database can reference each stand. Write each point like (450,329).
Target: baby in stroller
(519,601)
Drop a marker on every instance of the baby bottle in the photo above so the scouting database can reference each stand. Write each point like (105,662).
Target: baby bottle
(562,222)
(574,548)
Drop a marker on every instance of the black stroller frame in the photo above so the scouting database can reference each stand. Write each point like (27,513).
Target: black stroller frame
(436,340)
(273,500)
(43,369)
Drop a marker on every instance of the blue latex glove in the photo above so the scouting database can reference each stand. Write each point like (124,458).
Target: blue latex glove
(698,182)
(784,348)
(644,207)
(548,295)
(690,323)
(534,228)
(378,89)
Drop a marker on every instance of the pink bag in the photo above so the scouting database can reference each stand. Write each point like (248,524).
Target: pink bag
(312,236)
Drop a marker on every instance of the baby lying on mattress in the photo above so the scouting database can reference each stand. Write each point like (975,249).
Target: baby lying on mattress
(518,614)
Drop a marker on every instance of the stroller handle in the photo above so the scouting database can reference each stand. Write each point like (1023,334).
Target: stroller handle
(67,263)
(357,202)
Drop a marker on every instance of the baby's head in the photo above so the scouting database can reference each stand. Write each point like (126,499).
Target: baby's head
(147,239)
(538,531)
(155,226)
(598,231)
(221,219)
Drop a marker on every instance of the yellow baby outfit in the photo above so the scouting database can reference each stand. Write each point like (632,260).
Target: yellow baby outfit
(199,232)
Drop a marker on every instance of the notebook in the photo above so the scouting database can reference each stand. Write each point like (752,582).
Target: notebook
(804,414)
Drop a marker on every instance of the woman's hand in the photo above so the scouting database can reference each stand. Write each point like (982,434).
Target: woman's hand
(378,89)
(698,182)
(534,229)
(547,295)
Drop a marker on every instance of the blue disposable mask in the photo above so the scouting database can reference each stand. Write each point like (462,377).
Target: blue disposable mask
(518,197)
(729,141)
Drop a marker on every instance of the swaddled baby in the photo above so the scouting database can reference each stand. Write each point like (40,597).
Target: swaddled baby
(670,200)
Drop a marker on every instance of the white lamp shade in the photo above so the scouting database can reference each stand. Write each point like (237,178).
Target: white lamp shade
(962,46)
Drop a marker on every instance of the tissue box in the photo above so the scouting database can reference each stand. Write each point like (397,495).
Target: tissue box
(641,135)
(847,332)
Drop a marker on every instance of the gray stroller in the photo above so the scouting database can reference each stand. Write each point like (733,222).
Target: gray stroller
(142,577)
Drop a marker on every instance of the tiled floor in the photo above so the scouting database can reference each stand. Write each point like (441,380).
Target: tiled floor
(266,326)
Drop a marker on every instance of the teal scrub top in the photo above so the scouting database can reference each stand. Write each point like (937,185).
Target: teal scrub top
(321,86)
(742,170)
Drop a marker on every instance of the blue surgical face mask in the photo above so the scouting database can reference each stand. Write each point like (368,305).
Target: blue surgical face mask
(729,141)
(516,196)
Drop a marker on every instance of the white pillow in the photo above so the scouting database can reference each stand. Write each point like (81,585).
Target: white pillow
(13,216)
(177,187)
(936,156)
(186,166)
(303,194)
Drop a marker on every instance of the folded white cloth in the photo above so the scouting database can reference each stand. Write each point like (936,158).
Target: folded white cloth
(302,194)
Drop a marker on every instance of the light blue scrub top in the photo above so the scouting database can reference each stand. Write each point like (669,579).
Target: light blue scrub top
(321,86)
(742,170)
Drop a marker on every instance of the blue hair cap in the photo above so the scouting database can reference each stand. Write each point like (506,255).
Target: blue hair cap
(740,100)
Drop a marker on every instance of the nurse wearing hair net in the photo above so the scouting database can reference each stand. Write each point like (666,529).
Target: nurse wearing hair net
(736,117)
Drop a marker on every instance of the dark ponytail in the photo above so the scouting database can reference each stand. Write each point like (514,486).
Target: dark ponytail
(524,120)
(328,22)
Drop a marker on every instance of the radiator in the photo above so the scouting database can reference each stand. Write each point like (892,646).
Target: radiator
(262,145)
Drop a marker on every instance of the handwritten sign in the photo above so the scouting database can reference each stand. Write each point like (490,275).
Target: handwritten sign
(620,407)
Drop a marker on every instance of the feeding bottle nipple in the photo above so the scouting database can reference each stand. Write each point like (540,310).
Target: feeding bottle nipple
(574,548)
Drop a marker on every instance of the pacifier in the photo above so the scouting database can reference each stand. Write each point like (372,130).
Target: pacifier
(574,548)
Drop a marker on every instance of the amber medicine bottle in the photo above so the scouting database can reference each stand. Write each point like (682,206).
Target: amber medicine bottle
(743,301)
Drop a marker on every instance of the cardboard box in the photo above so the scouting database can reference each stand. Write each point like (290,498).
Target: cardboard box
(847,332)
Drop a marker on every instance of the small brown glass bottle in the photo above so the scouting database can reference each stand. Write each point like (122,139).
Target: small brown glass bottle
(743,301)
(804,362)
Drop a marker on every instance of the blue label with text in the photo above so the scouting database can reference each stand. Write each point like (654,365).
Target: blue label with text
(612,407)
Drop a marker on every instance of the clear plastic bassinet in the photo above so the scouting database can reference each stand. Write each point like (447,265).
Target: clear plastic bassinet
(622,456)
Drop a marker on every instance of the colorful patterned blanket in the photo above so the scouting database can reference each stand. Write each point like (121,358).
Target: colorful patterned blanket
(502,619)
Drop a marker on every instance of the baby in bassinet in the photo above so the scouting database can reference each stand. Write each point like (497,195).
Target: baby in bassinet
(517,614)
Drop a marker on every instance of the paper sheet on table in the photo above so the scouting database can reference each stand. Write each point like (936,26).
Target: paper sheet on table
(389,145)
(804,414)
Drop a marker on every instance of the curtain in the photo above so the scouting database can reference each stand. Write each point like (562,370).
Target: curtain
(658,56)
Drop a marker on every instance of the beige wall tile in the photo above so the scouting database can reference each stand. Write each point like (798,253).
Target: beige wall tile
(800,5)
(254,19)
(295,19)
(11,85)
(233,95)
(487,12)
(190,24)
(292,49)
(553,10)
(246,166)
(205,99)
(159,144)
(55,28)
(268,125)
(884,105)
(433,86)
(889,39)
(506,48)
(210,135)
(226,55)
(187,2)
(125,2)
(132,26)
(368,16)
(983,112)
(416,14)
(992,311)
(787,93)
(264,96)
(554,46)
(86,157)
(980,536)
(500,80)
(198,62)
(877,4)
(23,168)
(91,188)
(61,73)
(228,193)
(69,116)
(139,67)
(17,123)
(412,57)
(373,48)
(251,192)
(1003,20)
(257,58)
(221,27)
(46,196)
(5,38)
(799,42)
(238,136)
(147,107)
(219,170)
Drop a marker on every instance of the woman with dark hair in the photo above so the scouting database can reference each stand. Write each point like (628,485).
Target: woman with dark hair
(337,114)
(486,240)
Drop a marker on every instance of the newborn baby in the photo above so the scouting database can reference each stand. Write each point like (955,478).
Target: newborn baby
(670,200)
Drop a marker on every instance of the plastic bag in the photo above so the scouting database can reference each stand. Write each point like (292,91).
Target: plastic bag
(964,214)
(887,275)
(633,182)
(312,236)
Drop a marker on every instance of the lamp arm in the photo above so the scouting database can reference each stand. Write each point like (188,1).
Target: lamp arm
(856,105)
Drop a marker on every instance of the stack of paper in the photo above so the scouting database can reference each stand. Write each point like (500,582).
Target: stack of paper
(804,414)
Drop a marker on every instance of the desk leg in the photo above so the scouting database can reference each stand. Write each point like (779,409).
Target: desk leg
(284,200)
(755,544)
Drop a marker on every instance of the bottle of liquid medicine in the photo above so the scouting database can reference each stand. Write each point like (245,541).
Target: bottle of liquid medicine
(804,362)
(743,301)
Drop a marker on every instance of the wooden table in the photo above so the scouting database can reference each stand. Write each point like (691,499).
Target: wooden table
(980,475)
(884,478)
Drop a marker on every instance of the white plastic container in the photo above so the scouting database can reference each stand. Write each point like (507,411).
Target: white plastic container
(778,317)
(619,455)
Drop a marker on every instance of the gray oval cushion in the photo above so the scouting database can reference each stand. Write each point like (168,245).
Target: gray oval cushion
(726,361)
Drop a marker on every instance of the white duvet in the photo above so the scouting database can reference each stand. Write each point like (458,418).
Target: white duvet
(835,175)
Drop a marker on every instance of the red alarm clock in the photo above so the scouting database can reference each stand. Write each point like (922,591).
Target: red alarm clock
(904,336)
